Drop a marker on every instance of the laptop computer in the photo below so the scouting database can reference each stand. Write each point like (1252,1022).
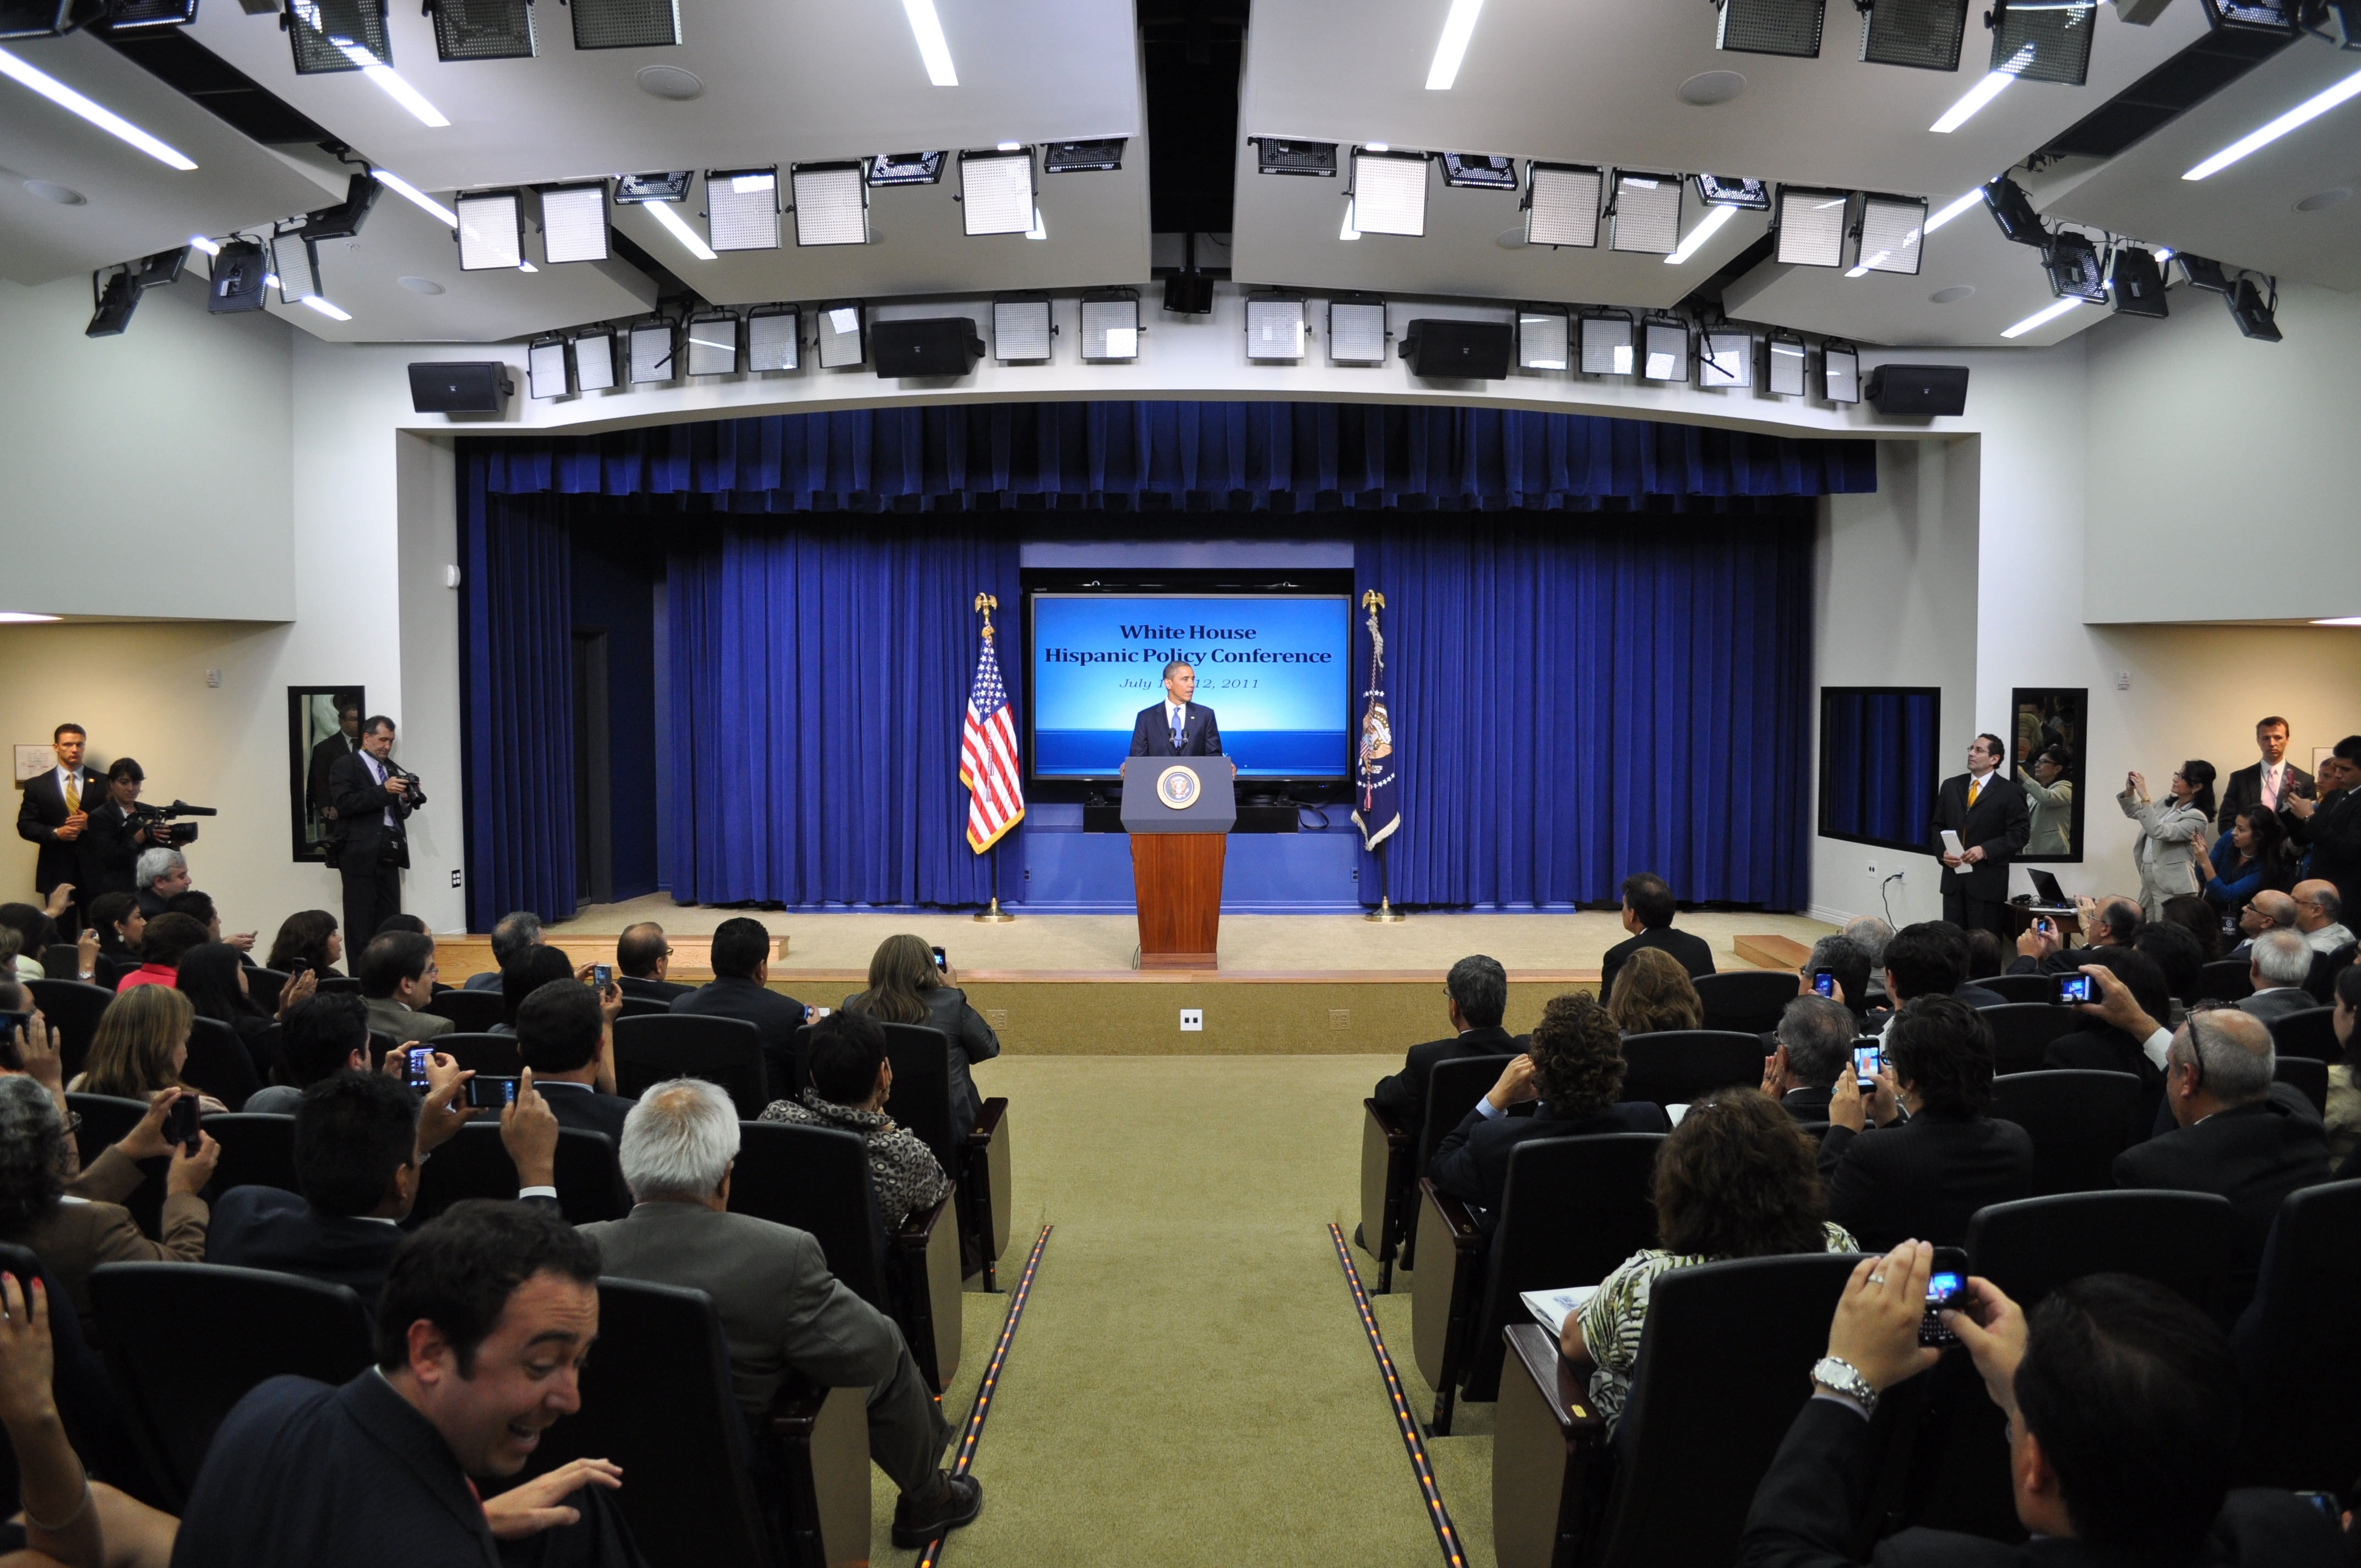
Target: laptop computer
(2046,894)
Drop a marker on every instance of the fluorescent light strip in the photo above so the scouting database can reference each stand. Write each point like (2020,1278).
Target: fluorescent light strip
(2312,108)
(1714,218)
(1972,198)
(1457,29)
(663,213)
(1975,98)
(411,193)
(2332,621)
(1862,270)
(106,119)
(26,617)
(1039,229)
(2041,317)
(199,242)
(933,47)
(390,81)
(327,309)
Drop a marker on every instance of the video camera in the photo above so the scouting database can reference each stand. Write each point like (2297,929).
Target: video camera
(159,816)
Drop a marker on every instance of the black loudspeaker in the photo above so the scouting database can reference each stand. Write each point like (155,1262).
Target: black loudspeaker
(460,386)
(1188,293)
(1479,351)
(939,346)
(1920,390)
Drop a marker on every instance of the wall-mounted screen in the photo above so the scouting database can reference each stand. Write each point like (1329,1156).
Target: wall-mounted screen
(1275,669)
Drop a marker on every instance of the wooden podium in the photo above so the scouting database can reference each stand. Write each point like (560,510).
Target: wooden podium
(1178,812)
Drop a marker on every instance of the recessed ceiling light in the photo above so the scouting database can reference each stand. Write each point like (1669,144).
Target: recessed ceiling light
(2310,109)
(2041,317)
(51,191)
(97,113)
(1451,47)
(670,81)
(420,285)
(1708,88)
(2321,199)
(1952,295)
(933,47)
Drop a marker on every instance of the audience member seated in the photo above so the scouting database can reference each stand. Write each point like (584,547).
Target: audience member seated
(212,976)
(1811,1047)
(739,989)
(1735,1179)
(402,920)
(1920,1175)
(487,1316)
(116,918)
(309,934)
(525,973)
(361,1138)
(35,931)
(2344,1087)
(1573,1067)
(2101,1046)
(781,1308)
(2319,916)
(199,907)
(2118,1397)
(76,1221)
(1851,966)
(1477,992)
(1928,959)
(511,933)
(2278,965)
(2267,911)
(1656,995)
(2187,912)
(2111,920)
(850,1081)
(1985,958)
(905,987)
(160,874)
(398,974)
(167,938)
(12,965)
(564,1034)
(322,1037)
(2232,1135)
(2168,946)
(1647,910)
(140,1045)
(2253,855)
(1870,935)
(643,958)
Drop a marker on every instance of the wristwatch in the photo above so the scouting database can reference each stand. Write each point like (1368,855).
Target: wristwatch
(1838,1376)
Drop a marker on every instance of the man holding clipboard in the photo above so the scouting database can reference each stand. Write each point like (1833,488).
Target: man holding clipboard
(1982,821)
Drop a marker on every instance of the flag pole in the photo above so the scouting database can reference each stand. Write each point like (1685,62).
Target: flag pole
(994,915)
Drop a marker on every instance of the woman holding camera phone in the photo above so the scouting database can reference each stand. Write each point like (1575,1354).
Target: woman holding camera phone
(2171,830)
(2051,795)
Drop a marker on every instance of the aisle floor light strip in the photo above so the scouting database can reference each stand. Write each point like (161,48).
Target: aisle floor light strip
(1449,50)
(933,47)
(97,113)
(2310,109)
(978,1412)
(2041,318)
(1446,1534)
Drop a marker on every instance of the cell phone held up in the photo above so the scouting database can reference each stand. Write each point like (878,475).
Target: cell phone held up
(1868,1061)
(602,977)
(1947,1286)
(180,1120)
(942,963)
(492,1093)
(414,1071)
(2071,988)
(1824,982)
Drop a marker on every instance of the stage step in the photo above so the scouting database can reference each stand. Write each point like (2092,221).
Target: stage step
(1771,952)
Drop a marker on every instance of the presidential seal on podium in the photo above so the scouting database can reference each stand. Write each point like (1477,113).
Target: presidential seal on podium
(1176,786)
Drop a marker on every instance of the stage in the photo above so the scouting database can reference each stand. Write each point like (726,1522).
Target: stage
(1064,984)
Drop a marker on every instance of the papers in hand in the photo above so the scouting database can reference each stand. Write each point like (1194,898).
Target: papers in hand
(1951,845)
(1552,1308)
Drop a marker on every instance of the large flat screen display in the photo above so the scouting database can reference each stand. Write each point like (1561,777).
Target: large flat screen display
(1275,669)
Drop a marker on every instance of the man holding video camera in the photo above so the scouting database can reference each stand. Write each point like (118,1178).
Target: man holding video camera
(373,798)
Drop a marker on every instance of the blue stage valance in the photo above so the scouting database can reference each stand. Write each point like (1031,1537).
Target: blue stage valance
(1191,456)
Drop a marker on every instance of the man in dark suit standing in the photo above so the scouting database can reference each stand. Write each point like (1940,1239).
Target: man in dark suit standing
(564,1034)
(1477,989)
(372,806)
(55,812)
(1993,820)
(2329,829)
(1647,909)
(1177,727)
(343,743)
(741,989)
(2270,782)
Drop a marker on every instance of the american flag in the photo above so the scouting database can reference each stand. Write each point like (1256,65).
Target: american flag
(988,755)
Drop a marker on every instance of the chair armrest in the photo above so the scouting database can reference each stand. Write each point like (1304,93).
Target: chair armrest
(1397,1135)
(794,1409)
(1562,1386)
(1465,1235)
(987,1124)
(919,1228)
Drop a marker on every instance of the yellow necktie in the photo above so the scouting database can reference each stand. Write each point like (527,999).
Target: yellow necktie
(1975,788)
(73,795)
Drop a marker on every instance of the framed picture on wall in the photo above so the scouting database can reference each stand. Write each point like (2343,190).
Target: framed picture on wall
(322,724)
(1880,764)
(2045,758)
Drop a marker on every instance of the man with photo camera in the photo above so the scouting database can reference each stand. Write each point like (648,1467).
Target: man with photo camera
(373,797)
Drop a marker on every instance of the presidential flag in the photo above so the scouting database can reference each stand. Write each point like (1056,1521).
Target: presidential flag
(988,755)
(1377,809)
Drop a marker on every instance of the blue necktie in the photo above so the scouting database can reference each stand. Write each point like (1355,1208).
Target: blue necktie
(1176,731)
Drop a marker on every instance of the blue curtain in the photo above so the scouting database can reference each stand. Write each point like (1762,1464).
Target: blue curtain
(1575,705)
(516,668)
(1880,761)
(819,677)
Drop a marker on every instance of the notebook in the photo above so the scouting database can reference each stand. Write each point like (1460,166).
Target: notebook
(1552,1308)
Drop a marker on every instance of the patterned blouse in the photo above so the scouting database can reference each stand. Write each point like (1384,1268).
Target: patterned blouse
(903,1169)
(1612,1320)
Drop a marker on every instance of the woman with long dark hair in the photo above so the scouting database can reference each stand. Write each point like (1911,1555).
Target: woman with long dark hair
(213,978)
(905,987)
(309,935)
(2169,831)
(2050,792)
(2252,856)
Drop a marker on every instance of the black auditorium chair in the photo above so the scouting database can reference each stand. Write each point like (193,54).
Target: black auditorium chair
(63,959)
(2022,1032)
(2079,1121)
(727,1052)
(1725,1364)
(187,1341)
(218,1063)
(2018,987)
(2299,1360)
(922,1102)
(644,1007)
(2223,979)
(1677,1067)
(473,1163)
(105,1118)
(1452,1090)
(257,1150)
(1747,1000)
(72,1009)
(707,1485)
(2028,1248)
(817,1180)
(339,985)
(2326,966)
(471,1012)
(493,1055)
(263,985)
(2309,1075)
(2310,1033)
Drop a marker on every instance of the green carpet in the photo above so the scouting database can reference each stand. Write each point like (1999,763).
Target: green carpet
(1189,1383)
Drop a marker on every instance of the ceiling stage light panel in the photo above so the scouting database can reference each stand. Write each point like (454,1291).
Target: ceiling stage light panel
(1541,340)
(1020,330)
(491,231)
(773,339)
(831,204)
(742,209)
(1811,226)
(594,361)
(1389,194)
(1357,332)
(1893,232)
(1647,213)
(1111,329)
(1562,202)
(997,191)
(1274,329)
(574,223)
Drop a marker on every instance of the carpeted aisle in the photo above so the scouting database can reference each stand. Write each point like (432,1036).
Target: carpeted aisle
(1189,1383)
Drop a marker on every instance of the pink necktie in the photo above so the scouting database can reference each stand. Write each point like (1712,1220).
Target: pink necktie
(2271,787)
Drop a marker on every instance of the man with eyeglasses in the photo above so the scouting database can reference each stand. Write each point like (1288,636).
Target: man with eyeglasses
(641,957)
(2319,916)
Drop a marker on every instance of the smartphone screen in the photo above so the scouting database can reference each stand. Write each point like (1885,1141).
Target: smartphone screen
(492,1093)
(180,1123)
(1945,1287)
(2073,988)
(297,966)
(941,963)
(601,976)
(415,1074)
(1824,982)
(1867,1060)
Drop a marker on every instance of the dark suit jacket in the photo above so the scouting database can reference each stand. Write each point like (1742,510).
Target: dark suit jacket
(1472,1162)
(301,1474)
(263,1227)
(2253,1154)
(360,801)
(1404,1094)
(1808,1104)
(43,811)
(579,1105)
(1691,950)
(652,990)
(1201,737)
(1921,1179)
(2000,824)
(105,855)
(2245,788)
(1819,1482)
(316,789)
(775,1017)
(2332,839)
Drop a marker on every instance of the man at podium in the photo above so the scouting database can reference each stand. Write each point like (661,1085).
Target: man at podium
(1177,727)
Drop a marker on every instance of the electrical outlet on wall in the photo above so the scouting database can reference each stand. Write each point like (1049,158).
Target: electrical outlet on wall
(1873,868)
(1192,1020)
